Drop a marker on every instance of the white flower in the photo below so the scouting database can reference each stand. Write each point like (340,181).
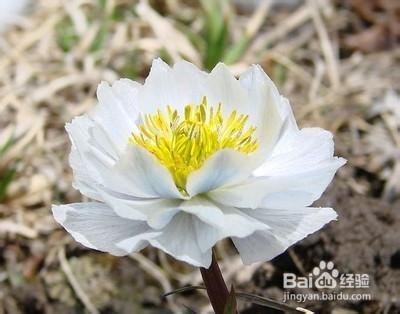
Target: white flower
(189,158)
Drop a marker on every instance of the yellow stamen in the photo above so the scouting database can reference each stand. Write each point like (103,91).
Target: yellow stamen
(183,144)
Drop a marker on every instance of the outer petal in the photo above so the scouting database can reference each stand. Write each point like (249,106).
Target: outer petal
(102,133)
(96,226)
(190,235)
(185,84)
(134,171)
(140,172)
(296,174)
(287,228)
(223,87)
(204,211)
(86,176)
(159,212)
(84,180)
(179,240)
(236,224)
(298,152)
(224,167)
(190,239)
(269,109)
(279,192)
(116,111)
(177,86)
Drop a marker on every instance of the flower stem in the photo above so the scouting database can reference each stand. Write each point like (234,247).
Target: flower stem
(217,290)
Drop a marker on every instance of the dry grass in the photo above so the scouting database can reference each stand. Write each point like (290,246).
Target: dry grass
(50,66)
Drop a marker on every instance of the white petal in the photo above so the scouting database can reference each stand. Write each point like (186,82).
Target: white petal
(287,228)
(299,152)
(236,223)
(224,167)
(116,111)
(304,188)
(178,86)
(84,181)
(179,240)
(96,226)
(254,77)
(138,173)
(206,236)
(102,143)
(269,110)
(86,175)
(185,84)
(298,171)
(144,171)
(223,87)
(279,192)
(159,212)
(286,112)
(90,158)
(204,210)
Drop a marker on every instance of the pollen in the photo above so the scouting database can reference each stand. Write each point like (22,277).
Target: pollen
(183,142)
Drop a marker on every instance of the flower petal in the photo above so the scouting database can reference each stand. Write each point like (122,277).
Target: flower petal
(279,192)
(226,166)
(287,228)
(134,171)
(84,180)
(204,210)
(179,240)
(269,109)
(138,173)
(177,86)
(96,226)
(86,175)
(236,223)
(116,111)
(223,87)
(299,152)
(185,84)
(296,174)
(144,171)
(159,212)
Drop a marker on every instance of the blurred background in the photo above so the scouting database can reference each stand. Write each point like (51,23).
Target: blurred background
(338,63)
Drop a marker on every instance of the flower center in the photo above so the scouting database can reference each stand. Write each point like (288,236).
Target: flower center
(183,143)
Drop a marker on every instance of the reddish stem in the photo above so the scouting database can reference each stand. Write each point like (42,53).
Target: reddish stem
(216,287)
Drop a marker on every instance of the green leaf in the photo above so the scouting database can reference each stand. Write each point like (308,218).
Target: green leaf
(5,180)
(183,289)
(231,304)
(237,50)
(216,27)
(7,145)
(66,35)
(101,37)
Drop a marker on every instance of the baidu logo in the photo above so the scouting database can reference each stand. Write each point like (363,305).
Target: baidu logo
(325,276)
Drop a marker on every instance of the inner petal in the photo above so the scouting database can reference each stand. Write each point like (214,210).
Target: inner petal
(183,142)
